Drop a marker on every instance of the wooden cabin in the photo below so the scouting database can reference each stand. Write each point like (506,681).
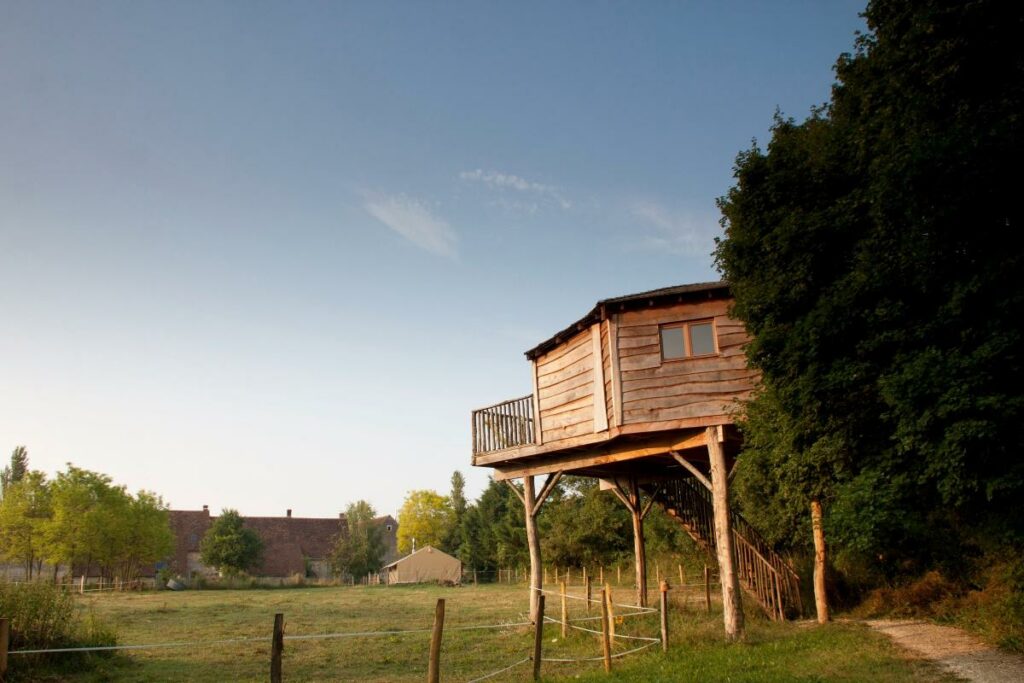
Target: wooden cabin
(635,369)
(642,393)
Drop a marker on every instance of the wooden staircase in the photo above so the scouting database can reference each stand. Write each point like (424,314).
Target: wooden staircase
(764,574)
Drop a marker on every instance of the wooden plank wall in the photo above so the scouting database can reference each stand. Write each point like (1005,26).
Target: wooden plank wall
(606,359)
(565,388)
(697,388)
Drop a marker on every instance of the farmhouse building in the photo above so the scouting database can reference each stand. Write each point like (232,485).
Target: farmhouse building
(291,545)
(427,564)
(641,393)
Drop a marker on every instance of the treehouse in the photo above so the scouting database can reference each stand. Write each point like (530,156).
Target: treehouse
(642,393)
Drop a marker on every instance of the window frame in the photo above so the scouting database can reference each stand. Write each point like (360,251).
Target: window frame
(685,325)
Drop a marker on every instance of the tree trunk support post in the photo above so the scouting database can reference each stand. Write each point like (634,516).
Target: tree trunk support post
(538,637)
(277,648)
(732,606)
(631,499)
(532,502)
(820,596)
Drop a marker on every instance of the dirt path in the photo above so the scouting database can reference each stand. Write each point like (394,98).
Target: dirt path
(954,650)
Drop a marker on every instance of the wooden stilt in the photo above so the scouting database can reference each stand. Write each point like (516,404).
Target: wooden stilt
(732,606)
(532,502)
(533,541)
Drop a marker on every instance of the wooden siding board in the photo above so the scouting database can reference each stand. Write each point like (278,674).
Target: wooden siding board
(598,403)
(654,390)
(584,365)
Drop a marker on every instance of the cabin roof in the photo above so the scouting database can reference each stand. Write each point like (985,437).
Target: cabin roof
(654,297)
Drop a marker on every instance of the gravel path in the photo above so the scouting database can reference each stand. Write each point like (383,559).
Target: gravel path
(954,650)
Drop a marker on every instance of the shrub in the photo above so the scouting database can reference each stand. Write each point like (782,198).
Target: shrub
(44,616)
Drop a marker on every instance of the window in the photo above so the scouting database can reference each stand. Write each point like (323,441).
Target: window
(688,340)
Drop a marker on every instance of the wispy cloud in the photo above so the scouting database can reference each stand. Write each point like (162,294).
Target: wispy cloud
(414,221)
(676,232)
(509,183)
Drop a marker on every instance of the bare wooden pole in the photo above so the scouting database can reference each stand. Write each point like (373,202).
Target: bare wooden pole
(664,616)
(618,575)
(276,648)
(538,637)
(600,575)
(820,597)
(606,642)
(565,613)
(732,606)
(81,586)
(682,580)
(639,549)
(434,663)
(587,583)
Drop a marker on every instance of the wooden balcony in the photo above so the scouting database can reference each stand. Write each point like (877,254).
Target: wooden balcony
(506,425)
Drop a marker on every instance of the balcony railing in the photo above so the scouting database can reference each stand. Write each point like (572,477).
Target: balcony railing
(505,425)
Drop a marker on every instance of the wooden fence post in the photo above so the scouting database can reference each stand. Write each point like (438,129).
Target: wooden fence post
(587,582)
(81,586)
(538,637)
(610,611)
(565,613)
(5,641)
(434,664)
(682,581)
(474,577)
(664,616)
(600,575)
(707,587)
(618,575)
(606,643)
(276,647)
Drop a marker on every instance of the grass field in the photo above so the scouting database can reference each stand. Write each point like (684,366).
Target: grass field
(772,651)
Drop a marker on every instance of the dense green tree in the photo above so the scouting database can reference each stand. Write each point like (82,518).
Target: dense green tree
(230,547)
(81,500)
(872,255)
(360,550)
(493,531)
(423,520)
(16,471)
(457,503)
(25,511)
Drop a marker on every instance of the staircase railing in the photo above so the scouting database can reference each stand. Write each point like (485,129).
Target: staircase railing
(762,572)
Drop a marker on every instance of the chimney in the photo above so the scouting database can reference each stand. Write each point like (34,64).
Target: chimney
(288,513)
(206,509)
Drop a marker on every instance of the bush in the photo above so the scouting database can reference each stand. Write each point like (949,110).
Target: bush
(44,616)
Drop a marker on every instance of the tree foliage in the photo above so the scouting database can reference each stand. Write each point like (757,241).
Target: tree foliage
(230,547)
(16,470)
(80,518)
(360,550)
(425,518)
(872,255)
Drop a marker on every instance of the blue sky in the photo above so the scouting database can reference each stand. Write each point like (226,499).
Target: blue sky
(270,255)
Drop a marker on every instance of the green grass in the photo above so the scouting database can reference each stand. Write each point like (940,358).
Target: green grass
(772,651)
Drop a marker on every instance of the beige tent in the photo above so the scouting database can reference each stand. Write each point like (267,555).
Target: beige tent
(424,565)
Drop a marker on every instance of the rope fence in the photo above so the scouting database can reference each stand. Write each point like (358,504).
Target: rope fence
(607,634)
